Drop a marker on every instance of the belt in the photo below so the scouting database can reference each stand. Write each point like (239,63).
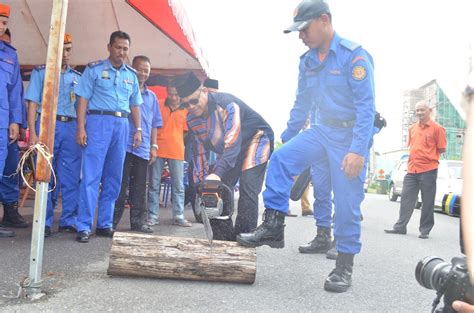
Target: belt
(112,113)
(338,123)
(64,118)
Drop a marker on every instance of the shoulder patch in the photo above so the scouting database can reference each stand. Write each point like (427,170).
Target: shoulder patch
(40,67)
(349,44)
(304,54)
(95,63)
(130,68)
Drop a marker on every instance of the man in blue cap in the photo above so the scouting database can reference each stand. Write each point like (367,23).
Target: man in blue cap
(109,92)
(336,79)
(67,153)
(11,111)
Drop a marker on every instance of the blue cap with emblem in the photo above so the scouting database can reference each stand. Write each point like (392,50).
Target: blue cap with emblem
(305,12)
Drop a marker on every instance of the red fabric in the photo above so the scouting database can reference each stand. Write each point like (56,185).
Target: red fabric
(160,14)
(159,91)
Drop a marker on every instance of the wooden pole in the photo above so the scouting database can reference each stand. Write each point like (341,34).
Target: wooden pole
(143,255)
(48,123)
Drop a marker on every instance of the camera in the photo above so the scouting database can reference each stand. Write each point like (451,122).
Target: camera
(450,280)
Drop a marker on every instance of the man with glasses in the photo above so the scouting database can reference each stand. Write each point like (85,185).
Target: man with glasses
(242,140)
(336,81)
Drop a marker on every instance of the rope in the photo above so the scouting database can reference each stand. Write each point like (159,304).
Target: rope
(39,148)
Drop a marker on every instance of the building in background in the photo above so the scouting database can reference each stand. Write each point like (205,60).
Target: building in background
(446,112)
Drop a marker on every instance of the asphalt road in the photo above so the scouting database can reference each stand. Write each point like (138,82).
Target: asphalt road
(75,276)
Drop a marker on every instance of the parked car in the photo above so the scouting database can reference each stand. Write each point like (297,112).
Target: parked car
(449,180)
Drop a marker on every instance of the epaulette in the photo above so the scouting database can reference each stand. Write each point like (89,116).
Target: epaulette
(304,54)
(76,72)
(40,67)
(130,68)
(9,45)
(349,44)
(95,63)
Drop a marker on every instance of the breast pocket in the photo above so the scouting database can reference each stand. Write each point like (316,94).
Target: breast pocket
(6,73)
(430,140)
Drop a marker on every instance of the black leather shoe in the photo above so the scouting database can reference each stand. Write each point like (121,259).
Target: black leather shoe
(143,229)
(47,231)
(83,236)
(423,236)
(67,229)
(104,232)
(395,231)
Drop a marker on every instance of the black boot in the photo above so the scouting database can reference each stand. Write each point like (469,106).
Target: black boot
(332,253)
(5,233)
(270,232)
(11,217)
(320,244)
(340,279)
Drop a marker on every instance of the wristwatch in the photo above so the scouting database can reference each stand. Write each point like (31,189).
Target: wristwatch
(139,129)
(155,146)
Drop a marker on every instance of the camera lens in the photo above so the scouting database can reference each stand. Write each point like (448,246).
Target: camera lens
(431,271)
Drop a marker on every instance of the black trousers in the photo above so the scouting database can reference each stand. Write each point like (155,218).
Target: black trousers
(412,184)
(250,186)
(134,176)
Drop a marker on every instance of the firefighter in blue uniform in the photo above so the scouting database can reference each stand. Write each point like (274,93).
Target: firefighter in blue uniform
(11,106)
(67,153)
(109,92)
(336,78)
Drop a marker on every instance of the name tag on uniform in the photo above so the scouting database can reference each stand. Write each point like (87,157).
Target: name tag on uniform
(72,96)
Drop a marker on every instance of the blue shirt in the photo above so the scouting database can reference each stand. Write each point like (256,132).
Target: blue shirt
(11,96)
(67,85)
(339,88)
(150,118)
(109,89)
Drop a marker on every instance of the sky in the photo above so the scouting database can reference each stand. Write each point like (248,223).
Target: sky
(412,42)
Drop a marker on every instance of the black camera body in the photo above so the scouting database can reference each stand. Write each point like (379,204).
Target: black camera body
(450,280)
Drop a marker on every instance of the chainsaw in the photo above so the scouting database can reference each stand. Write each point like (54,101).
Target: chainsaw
(215,204)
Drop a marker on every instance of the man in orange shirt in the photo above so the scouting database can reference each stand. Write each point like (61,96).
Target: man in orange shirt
(427,140)
(170,143)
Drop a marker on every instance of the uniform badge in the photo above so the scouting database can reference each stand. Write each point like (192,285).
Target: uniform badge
(105,75)
(359,72)
(72,95)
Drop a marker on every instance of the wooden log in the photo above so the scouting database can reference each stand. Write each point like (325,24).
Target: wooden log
(144,255)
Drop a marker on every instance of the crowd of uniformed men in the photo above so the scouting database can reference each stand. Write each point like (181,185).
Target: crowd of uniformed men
(108,120)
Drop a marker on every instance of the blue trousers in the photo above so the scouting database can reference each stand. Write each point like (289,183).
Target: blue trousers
(3,148)
(9,186)
(102,163)
(310,146)
(67,166)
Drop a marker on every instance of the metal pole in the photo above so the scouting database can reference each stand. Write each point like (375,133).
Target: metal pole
(48,123)
(467,199)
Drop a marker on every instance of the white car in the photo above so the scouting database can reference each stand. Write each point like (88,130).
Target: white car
(449,180)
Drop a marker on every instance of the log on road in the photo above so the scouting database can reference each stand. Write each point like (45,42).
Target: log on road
(144,255)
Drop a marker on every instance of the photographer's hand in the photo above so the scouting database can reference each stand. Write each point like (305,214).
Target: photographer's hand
(463,307)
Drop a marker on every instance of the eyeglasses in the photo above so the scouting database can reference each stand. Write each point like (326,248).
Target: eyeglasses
(192,101)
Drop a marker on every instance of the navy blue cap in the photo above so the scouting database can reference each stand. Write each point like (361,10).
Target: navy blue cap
(305,12)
